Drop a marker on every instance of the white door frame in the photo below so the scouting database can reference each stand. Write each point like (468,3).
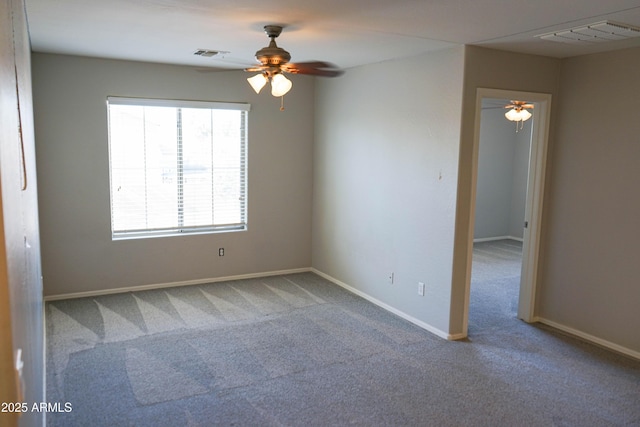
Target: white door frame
(535,195)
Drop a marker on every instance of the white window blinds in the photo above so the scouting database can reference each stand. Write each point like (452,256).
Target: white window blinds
(177,166)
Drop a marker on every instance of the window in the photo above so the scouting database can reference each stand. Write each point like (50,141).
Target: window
(177,167)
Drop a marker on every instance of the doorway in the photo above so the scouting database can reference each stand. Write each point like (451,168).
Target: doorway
(501,188)
(533,198)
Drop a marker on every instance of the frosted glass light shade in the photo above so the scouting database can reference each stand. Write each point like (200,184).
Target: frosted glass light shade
(512,115)
(517,116)
(280,85)
(525,115)
(257,82)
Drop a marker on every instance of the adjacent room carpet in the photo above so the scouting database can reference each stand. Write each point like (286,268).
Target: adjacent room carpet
(297,350)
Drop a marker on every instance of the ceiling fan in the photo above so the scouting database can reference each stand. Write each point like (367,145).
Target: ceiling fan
(519,105)
(518,112)
(274,63)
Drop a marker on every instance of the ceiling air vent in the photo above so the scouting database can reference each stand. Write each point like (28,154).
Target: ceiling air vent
(209,52)
(604,31)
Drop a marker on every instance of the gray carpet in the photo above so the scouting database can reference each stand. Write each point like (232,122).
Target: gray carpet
(297,350)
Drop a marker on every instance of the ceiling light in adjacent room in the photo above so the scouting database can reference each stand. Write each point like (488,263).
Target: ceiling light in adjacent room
(518,112)
(517,116)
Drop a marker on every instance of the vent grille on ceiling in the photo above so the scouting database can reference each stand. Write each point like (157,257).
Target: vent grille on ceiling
(605,31)
(209,52)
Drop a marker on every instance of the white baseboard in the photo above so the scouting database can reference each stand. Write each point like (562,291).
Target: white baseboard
(389,308)
(492,239)
(585,336)
(173,284)
(590,338)
(369,298)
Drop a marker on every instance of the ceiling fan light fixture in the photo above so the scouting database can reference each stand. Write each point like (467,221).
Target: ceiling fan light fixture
(280,85)
(274,61)
(512,115)
(257,82)
(516,115)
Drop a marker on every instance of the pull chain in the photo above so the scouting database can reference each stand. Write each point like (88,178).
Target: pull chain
(282,103)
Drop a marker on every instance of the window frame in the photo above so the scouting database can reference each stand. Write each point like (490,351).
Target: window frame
(184,229)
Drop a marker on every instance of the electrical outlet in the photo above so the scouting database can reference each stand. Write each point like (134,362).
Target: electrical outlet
(391,278)
(421,289)
(221,252)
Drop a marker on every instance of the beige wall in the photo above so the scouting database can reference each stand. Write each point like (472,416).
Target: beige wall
(587,282)
(21,324)
(591,282)
(71,128)
(391,182)
(385,174)
(487,68)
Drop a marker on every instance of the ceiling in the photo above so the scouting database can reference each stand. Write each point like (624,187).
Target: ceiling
(347,33)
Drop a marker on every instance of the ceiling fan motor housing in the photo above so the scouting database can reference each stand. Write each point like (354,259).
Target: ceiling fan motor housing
(274,60)
(272,54)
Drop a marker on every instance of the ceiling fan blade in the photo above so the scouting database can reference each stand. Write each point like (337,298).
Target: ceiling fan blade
(275,60)
(528,106)
(214,69)
(313,64)
(315,68)
(317,72)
